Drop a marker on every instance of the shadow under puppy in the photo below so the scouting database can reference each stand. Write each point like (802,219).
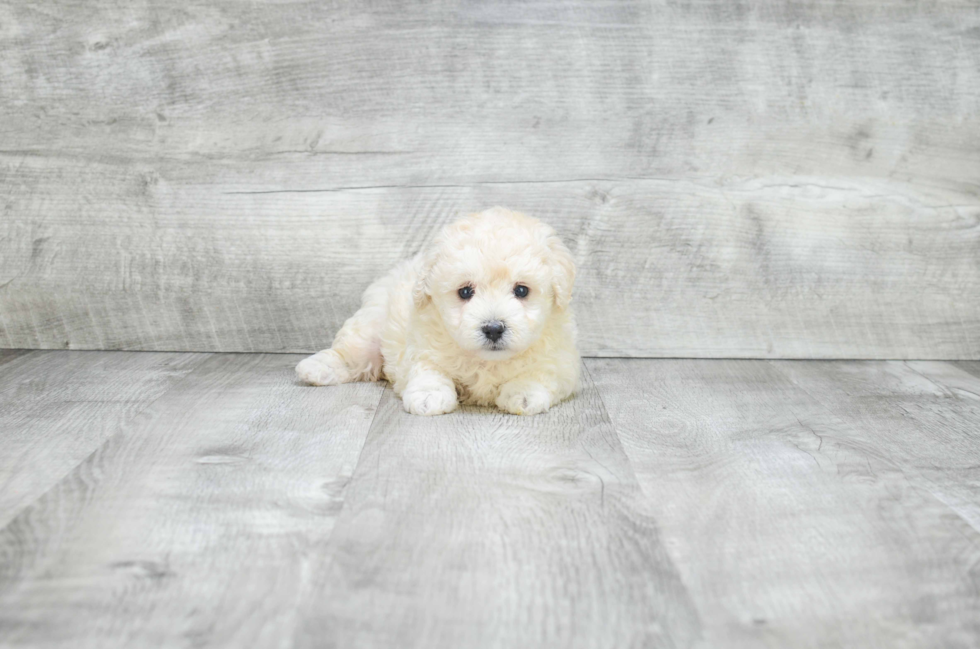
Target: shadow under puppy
(482,317)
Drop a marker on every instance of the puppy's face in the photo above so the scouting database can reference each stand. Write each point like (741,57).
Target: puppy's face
(495,279)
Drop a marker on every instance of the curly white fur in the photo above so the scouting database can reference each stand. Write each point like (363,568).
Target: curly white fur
(415,330)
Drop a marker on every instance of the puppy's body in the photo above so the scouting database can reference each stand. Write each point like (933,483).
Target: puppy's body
(415,329)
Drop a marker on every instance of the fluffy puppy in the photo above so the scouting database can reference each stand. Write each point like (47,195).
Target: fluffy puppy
(481,317)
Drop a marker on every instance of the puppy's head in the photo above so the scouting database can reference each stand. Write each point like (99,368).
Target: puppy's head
(495,278)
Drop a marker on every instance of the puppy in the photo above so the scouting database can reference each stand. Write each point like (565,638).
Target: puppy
(481,317)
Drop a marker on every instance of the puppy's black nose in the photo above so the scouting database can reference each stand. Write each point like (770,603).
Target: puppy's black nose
(494,330)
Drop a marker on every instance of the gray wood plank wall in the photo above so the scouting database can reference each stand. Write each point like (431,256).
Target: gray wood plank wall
(770,179)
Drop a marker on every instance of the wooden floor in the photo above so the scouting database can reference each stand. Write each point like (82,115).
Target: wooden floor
(205,500)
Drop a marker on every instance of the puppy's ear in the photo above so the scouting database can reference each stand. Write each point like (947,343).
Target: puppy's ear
(562,271)
(420,292)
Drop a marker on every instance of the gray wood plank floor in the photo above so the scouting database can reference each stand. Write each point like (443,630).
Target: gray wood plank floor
(209,500)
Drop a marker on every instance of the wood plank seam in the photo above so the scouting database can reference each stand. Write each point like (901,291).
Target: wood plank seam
(612,424)
(67,474)
(903,469)
(6,356)
(302,443)
(360,453)
(398,543)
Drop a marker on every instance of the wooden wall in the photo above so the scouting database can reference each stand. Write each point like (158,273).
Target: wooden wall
(736,179)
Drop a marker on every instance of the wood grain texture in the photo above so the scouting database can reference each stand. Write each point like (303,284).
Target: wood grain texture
(925,415)
(8,355)
(972,367)
(479,529)
(57,408)
(795,522)
(718,504)
(193,527)
(769,180)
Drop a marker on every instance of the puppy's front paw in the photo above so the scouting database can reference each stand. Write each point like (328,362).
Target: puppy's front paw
(524,398)
(323,368)
(429,400)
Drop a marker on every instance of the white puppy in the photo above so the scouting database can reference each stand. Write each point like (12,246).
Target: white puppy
(481,317)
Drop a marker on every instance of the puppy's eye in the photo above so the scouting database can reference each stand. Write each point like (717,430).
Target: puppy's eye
(521,291)
(465,293)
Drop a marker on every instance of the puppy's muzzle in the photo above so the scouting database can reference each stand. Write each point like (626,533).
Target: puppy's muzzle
(494,330)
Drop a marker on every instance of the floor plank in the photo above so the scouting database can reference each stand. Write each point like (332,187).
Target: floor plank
(194,525)
(209,500)
(924,416)
(480,529)
(58,407)
(972,367)
(7,355)
(791,523)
